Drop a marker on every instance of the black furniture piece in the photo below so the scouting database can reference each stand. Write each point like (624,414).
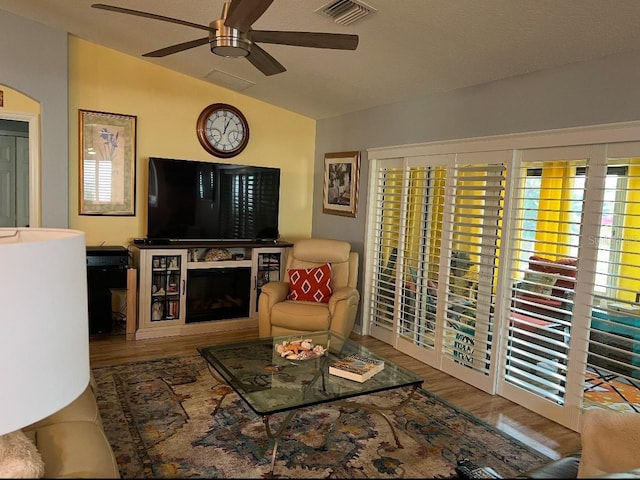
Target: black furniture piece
(106,269)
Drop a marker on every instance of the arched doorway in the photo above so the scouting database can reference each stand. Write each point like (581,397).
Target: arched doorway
(20,160)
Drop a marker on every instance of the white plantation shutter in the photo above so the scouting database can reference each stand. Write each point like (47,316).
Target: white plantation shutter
(547,221)
(97,180)
(104,181)
(421,254)
(584,215)
(476,200)
(385,214)
(423,212)
(89,180)
(406,251)
(613,359)
(549,226)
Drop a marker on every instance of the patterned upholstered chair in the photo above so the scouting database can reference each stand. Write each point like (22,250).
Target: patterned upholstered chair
(534,307)
(541,314)
(302,303)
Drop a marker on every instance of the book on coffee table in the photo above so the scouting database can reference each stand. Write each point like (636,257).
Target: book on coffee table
(356,367)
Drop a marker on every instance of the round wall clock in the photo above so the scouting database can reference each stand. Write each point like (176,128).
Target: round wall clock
(223,130)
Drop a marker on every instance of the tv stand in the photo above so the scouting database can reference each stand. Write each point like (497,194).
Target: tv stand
(181,293)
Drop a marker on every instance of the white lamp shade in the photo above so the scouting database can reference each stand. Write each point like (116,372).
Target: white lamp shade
(44,331)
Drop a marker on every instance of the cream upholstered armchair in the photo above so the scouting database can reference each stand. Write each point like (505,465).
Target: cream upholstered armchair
(280,313)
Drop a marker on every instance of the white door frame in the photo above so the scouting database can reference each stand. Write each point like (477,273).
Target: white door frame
(35,199)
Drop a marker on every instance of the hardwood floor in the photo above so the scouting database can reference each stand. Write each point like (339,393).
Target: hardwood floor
(546,436)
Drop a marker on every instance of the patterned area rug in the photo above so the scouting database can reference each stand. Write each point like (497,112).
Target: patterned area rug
(164,419)
(615,394)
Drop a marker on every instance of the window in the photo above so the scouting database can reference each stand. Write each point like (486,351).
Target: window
(474,231)
(611,227)
(386,217)
(97,180)
(611,220)
(613,358)
(544,231)
(546,225)
(426,213)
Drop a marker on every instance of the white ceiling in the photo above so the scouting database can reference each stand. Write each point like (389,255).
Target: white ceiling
(407,49)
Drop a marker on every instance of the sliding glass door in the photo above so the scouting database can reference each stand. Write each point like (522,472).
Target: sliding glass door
(435,227)
(574,320)
(542,262)
(612,372)
(515,270)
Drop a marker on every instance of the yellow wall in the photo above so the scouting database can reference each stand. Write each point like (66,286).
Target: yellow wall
(15,101)
(167,105)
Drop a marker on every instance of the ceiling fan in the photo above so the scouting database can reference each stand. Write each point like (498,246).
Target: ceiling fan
(232,35)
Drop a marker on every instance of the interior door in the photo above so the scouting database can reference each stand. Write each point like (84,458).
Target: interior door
(14,178)
(7,181)
(22,181)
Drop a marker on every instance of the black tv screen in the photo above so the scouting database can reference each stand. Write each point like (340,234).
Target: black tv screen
(190,200)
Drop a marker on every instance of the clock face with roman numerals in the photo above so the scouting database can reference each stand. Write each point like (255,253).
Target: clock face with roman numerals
(223,130)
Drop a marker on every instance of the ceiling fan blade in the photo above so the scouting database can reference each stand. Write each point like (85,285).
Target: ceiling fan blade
(153,16)
(264,62)
(180,47)
(338,41)
(242,13)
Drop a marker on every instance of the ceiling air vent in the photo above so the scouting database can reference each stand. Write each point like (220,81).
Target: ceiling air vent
(227,80)
(346,12)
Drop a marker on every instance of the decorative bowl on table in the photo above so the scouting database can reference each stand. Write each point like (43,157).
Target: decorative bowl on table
(300,349)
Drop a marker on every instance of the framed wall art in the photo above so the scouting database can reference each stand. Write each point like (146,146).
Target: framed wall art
(341,174)
(107,163)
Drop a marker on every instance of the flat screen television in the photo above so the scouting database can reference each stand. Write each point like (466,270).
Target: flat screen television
(191,201)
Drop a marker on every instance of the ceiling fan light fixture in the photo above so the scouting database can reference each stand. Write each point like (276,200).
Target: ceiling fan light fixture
(230,47)
(228,42)
(238,39)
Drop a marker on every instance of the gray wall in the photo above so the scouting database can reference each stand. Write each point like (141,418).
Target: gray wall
(33,60)
(590,93)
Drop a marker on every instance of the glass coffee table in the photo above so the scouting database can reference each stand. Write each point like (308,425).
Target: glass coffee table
(270,384)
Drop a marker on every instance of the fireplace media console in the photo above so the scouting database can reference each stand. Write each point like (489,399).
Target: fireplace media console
(187,288)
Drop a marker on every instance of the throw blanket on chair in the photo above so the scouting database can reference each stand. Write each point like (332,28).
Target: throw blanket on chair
(610,442)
